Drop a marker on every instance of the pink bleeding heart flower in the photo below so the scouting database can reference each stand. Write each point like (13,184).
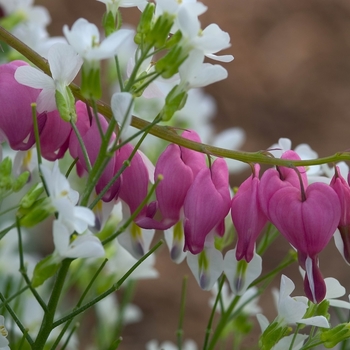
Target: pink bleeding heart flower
(134,179)
(54,144)
(16,121)
(206,205)
(307,219)
(247,216)
(341,187)
(91,137)
(178,166)
(273,179)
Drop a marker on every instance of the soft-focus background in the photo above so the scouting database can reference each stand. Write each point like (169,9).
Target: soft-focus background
(290,78)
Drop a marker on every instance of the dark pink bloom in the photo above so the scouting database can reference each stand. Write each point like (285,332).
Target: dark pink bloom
(134,179)
(341,187)
(307,219)
(92,141)
(247,216)
(54,136)
(178,167)
(273,179)
(16,121)
(206,205)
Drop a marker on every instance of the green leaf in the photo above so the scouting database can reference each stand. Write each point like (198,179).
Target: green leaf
(45,269)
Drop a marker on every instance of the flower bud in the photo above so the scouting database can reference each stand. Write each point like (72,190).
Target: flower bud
(335,335)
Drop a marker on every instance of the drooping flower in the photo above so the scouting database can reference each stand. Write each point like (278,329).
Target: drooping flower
(178,167)
(91,137)
(247,215)
(16,121)
(342,189)
(307,218)
(206,205)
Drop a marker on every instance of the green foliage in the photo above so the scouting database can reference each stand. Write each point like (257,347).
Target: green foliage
(45,269)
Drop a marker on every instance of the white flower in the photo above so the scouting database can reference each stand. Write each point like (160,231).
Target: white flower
(167,345)
(64,65)
(292,310)
(64,199)
(113,5)
(37,15)
(82,246)
(239,282)
(194,73)
(208,274)
(85,39)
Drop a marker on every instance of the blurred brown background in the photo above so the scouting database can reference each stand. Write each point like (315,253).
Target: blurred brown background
(290,78)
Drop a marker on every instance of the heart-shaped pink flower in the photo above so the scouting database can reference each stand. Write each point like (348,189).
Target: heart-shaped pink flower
(308,222)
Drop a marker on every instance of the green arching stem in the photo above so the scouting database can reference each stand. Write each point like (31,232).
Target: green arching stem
(179,332)
(115,287)
(167,133)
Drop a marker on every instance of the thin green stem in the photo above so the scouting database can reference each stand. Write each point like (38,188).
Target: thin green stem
(133,215)
(180,332)
(64,346)
(71,167)
(211,318)
(23,270)
(16,320)
(109,291)
(83,148)
(14,296)
(222,323)
(36,133)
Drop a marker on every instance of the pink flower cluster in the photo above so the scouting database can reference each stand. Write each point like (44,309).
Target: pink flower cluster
(190,191)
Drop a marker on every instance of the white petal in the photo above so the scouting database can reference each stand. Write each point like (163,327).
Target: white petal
(263,322)
(46,101)
(208,74)
(222,58)
(64,63)
(334,288)
(33,77)
(61,237)
(284,343)
(317,321)
(85,246)
(339,303)
(122,108)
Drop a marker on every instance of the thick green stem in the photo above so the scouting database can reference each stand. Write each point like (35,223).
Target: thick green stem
(47,324)
(167,133)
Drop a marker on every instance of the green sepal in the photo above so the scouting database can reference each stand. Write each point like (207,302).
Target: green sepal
(331,337)
(146,19)
(173,40)
(20,182)
(6,167)
(160,31)
(44,269)
(173,103)
(36,214)
(91,82)
(31,196)
(169,65)
(272,335)
(66,105)
(108,23)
